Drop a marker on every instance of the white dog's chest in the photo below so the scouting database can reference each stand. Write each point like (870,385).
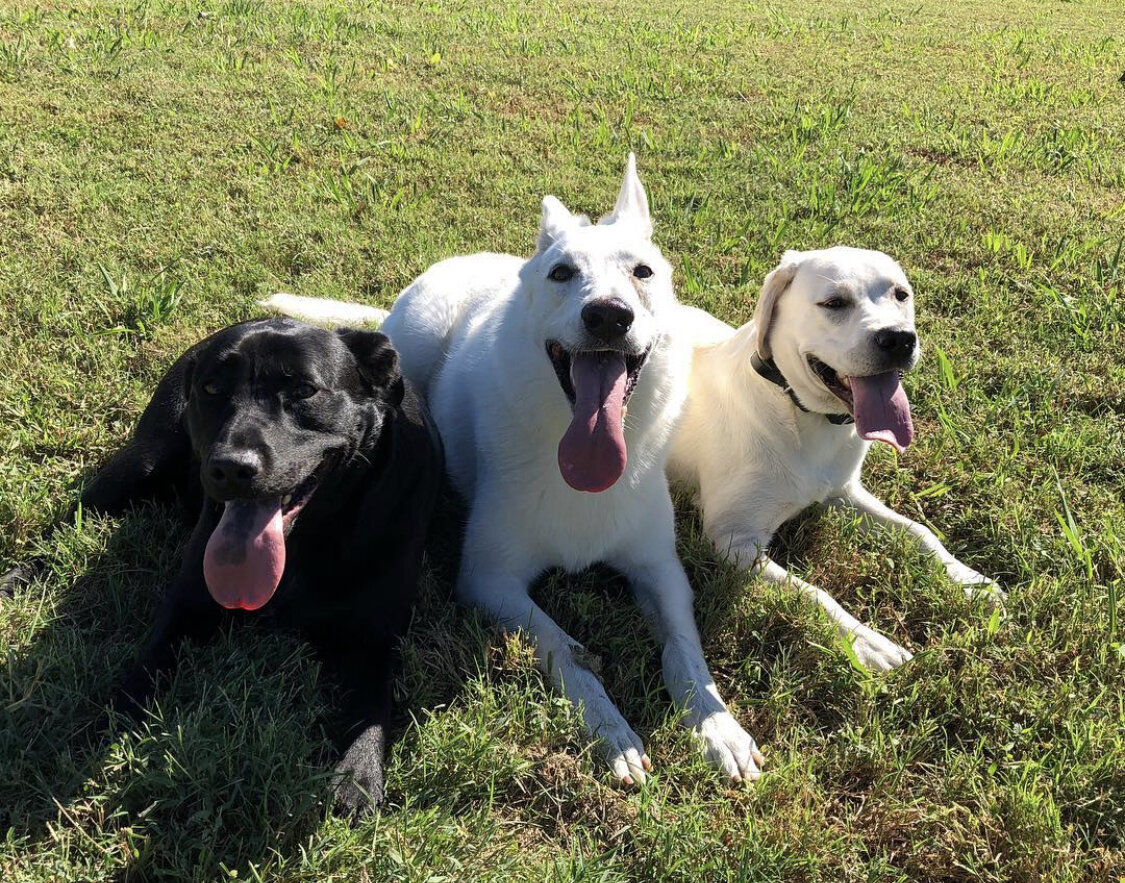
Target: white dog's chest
(571,529)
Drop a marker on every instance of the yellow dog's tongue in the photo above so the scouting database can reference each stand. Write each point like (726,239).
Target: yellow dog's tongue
(592,452)
(882,411)
(245,556)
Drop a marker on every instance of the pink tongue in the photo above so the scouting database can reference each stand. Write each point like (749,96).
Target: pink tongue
(592,453)
(882,412)
(245,556)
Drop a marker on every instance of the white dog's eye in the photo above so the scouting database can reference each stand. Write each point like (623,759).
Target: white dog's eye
(835,303)
(902,294)
(561,273)
(642,271)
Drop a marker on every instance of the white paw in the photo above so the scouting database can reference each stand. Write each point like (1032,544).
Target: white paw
(625,753)
(729,748)
(876,652)
(976,585)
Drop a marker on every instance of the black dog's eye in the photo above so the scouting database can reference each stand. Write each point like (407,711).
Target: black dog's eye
(561,273)
(303,390)
(642,271)
(835,303)
(210,387)
(902,294)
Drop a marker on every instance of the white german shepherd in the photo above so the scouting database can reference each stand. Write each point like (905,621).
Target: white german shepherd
(529,367)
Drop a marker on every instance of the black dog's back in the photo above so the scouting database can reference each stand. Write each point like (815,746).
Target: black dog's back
(156,464)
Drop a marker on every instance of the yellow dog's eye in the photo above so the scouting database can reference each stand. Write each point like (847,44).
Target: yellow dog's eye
(835,303)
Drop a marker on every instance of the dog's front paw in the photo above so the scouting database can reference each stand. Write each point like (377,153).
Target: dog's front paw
(625,753)
(976,585)
(357,784)
(131,694)
(16,578)
(876,652)
(729,748)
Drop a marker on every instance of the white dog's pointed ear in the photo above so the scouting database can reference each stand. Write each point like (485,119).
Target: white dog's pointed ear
(776,283)
(632,204)
(555,219)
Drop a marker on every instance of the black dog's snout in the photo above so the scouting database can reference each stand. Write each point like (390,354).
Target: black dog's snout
(233,472)
(607,320)
(895,342)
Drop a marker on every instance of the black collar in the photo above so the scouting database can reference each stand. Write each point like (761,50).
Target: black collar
(768,369)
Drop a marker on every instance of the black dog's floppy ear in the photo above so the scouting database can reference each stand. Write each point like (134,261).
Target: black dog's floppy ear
(377,361)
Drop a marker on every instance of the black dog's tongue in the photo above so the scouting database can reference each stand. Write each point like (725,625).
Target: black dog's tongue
(592,453)
(245,556)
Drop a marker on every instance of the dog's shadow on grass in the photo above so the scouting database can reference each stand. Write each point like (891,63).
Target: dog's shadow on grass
(230,766)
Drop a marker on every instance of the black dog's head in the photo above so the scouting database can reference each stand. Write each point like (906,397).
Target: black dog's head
(275,408)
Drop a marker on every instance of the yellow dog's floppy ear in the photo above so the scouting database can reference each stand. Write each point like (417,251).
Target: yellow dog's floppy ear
(776,282)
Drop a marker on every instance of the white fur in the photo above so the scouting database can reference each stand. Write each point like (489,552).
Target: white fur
(755,460)
(472,333)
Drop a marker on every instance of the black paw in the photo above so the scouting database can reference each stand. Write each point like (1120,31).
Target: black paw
(357,787)
(131,693)
(18,576)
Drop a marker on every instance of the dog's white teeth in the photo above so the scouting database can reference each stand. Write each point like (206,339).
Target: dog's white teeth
(287,499)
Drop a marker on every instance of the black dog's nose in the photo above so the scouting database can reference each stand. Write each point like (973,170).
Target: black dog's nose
(233,472)
(895,342)
(607,320)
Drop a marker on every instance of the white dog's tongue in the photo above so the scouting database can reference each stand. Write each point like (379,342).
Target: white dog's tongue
(592,452)
(882,412)
(245,556)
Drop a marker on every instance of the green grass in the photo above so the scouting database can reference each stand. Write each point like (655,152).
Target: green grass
(163,164)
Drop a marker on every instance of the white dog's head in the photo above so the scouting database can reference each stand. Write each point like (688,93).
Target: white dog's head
(598,293)
(839,324)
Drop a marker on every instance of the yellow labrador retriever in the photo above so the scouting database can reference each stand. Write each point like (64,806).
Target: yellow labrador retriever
(782,411)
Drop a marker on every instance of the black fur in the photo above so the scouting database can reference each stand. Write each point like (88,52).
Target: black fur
(354,551)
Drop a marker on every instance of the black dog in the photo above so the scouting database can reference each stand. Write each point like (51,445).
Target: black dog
(314,469)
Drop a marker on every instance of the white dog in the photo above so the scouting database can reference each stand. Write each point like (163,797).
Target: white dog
(782,411)
(529,366)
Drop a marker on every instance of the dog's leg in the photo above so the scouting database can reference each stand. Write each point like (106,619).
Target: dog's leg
(874,651)
(504,597)
(876,515)
(177,622)
(664,595)
(364,667)
(187,612)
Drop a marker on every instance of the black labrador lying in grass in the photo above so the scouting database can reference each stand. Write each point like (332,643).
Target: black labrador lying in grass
(314,469)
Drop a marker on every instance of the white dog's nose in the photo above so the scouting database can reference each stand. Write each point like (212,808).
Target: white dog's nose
(896,342)
(608,320)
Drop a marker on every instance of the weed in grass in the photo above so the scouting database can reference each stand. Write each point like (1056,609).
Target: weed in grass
(143,310)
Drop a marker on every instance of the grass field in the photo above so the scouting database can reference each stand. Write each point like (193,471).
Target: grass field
(163,164)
